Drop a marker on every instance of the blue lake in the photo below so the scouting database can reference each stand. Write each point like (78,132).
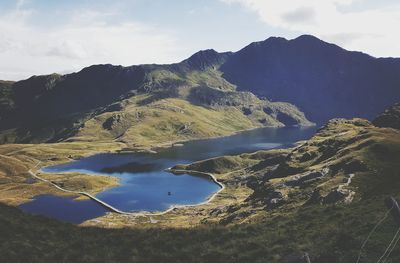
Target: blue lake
(145,186)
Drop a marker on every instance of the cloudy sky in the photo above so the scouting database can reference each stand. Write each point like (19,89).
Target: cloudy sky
(45,36)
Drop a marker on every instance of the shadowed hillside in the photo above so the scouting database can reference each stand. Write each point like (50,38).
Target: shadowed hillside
(324,80)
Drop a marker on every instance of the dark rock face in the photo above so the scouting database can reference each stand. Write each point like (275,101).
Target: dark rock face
(112,121)
(286,119)
(266,195)
(390,118)
(306,178)
(315,197)
(323,80)
(334,197)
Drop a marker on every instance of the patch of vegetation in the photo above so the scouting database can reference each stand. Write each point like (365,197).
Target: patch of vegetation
(17,185)
(225,164)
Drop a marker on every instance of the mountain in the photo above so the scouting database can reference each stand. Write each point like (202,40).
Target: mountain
(322,79)
(139,105)
(105,102)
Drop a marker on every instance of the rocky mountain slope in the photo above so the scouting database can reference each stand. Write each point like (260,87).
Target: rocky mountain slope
(186,100)
(322,170)
(342,174)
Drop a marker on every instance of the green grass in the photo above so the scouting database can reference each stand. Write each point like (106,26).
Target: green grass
(162,122)
(328,234)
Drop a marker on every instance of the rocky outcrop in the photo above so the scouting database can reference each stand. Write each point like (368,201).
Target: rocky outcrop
(390,118)
(261,110)
(308,177)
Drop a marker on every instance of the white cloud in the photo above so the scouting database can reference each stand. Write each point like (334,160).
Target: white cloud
(300,15)
(67,49)
(84,40)
(373,30)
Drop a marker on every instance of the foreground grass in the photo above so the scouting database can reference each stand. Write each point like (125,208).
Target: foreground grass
(329,234)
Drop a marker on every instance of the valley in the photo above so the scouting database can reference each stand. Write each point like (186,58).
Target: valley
(305,169)
(330,187)
(145,185)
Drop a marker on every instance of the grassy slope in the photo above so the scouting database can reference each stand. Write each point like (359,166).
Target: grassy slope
(329,232)
(164,121)
(186,105)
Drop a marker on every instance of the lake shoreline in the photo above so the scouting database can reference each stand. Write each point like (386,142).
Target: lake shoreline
(121,149)
(152,149)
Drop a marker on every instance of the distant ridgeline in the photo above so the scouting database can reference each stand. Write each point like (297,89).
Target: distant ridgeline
(106,102)
(322,79)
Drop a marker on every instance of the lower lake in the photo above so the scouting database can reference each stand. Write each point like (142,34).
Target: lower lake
(145,186)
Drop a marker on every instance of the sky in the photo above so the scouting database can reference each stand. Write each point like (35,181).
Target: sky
(46,36)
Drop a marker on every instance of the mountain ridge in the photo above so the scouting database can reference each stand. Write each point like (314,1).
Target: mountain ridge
(106,102)
(314,74)
(319,78)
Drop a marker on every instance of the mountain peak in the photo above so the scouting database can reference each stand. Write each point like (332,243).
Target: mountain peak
(268,41)
(93,69)
(306,37)
(204,59)
(280,41)
(206,52)
(311,41)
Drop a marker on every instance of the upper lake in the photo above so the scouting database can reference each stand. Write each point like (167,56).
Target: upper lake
(145,186)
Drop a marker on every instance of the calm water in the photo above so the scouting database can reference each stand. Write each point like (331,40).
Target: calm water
(145,185)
